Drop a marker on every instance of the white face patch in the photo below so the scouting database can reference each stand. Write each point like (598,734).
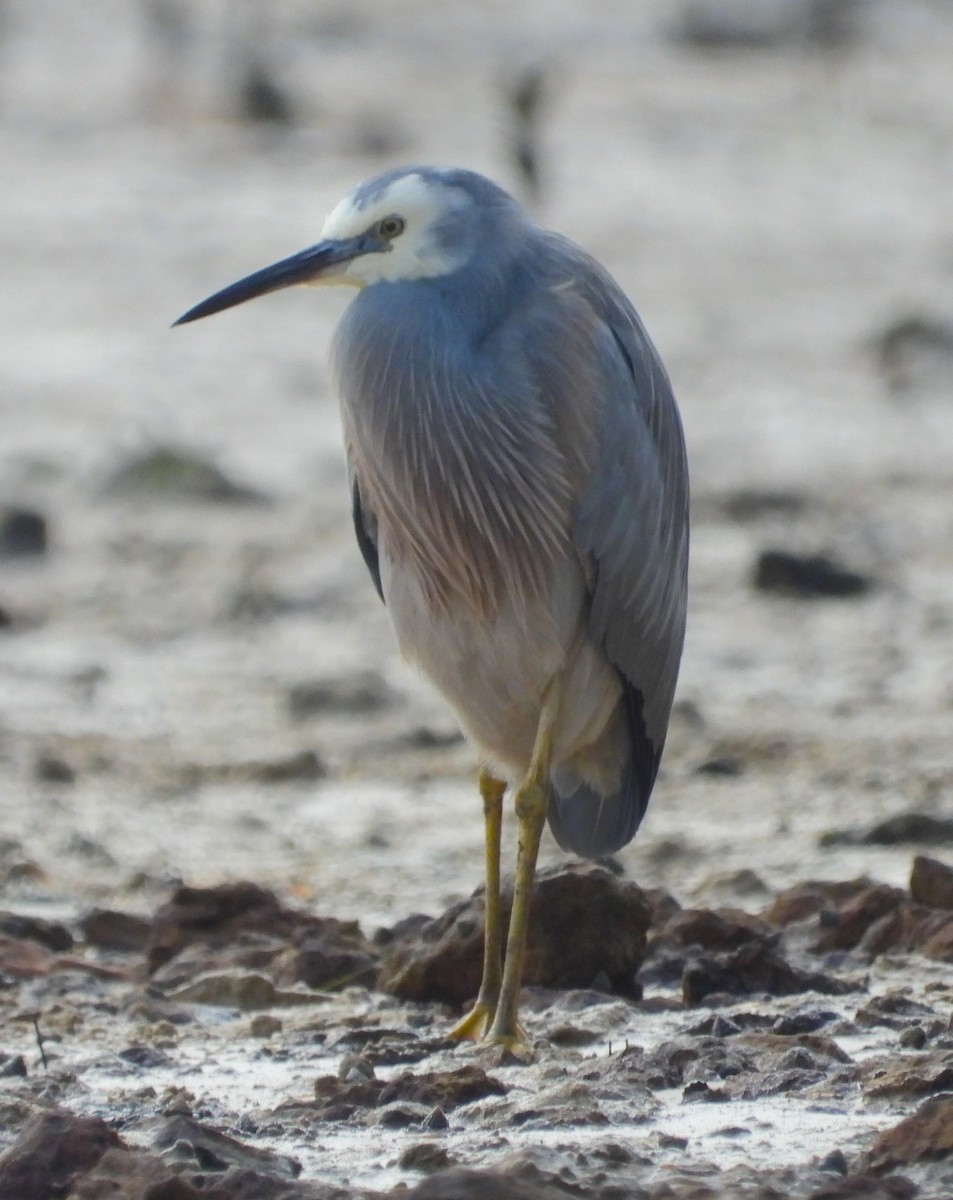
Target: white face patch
(416,253)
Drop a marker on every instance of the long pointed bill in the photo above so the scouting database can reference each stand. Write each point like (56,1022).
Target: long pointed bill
(323,261)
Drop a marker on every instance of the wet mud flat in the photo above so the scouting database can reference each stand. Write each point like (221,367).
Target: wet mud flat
(225,803)
(234,1045)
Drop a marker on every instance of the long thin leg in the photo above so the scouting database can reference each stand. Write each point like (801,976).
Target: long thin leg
(476,1023)
(532,801)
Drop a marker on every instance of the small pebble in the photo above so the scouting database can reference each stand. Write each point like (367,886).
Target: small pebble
(914,1038)
(264,1025)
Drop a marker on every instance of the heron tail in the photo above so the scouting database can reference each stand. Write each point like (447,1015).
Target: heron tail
(588,822)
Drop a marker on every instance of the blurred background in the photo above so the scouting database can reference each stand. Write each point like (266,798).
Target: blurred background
(196,677)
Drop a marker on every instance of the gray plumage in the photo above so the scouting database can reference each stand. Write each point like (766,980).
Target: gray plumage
(520,496)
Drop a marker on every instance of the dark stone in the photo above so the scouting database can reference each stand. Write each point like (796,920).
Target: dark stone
(461,1183)
(931,883)
(910,827)
(925,1135)
(48,768)
(304,766)
(190,1144)
(178,475)
(337,1100)
(50,1150)
(12,1066)
(358,694)
(425,1157)
(23,533)
(916,350)
(751,504)
(244,925)
(807,576)
(51,934)
(755,969)
(585,923)
(146,1057)
(111,930)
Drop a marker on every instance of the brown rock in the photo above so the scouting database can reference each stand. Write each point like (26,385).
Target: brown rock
(809,899)
(50,1150)
(112,930)
(756,967)
(713,929)
(867,1187)
(926,1135)
(918,1075)
(586,924)
(242,924)
(931,883)
(460,1183)
(338,1099)
(23,958)
(855,917)
(123,1174)
(910,927)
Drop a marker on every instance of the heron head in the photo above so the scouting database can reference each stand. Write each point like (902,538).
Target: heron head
(408,224)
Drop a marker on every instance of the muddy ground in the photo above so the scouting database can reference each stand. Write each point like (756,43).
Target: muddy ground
(198,685)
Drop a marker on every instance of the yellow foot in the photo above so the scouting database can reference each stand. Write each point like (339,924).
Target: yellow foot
(515,1044)
(476,1024)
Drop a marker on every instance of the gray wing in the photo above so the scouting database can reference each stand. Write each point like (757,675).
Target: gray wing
(630,528)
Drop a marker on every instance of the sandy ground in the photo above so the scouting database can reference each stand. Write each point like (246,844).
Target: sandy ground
(772,211)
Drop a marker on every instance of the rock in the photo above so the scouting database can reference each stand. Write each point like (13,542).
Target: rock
(49,1151)
(358,694)
(304,766)
(461,1183)
(22,958)
(247,991)
(585,924)
(751,504)
(166,473)
(931,883)
(911,827)
(23,533)
(12,1066)
(188,1143)
(709,929)
(334,955)
(866,1187)
(111,930)
(51,934)
(758,25)
(425,1157)
(806,900)
(844,929)
(916,354)
(925,1135)
(265,1025)
(917,1075)
(337,1099)
(125,1174)
(49,768)
(215,916)
(807,576)
(755,968)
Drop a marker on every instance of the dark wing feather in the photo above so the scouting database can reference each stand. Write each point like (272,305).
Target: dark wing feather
(631,531)
(365,527)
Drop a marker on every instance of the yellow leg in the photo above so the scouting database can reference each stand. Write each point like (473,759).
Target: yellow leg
(476,1023)
(532,801)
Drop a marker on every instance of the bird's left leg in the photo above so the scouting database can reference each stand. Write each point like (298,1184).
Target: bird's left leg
(531,802)
(476,1023)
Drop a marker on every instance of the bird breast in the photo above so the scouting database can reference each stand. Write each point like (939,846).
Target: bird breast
(457,458)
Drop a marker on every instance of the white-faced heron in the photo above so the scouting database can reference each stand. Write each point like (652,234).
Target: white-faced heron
(520,496)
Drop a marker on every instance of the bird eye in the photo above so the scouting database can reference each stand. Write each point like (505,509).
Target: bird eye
(391,227)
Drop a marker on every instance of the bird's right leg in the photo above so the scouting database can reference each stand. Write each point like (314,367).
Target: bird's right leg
(478,1021)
